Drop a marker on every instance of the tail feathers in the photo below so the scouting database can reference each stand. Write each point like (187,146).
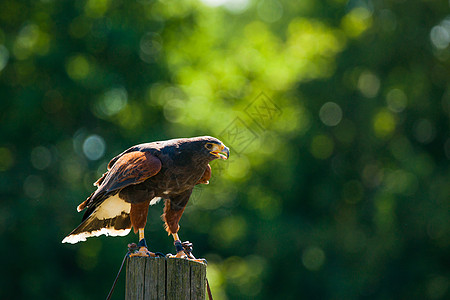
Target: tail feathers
(117,226)
(111,217)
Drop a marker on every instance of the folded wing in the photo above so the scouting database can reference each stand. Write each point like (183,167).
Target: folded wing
(106,212)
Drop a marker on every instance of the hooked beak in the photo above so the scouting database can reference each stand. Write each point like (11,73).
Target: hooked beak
(221,152)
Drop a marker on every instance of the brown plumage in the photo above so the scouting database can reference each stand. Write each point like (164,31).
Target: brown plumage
(206,176)
(138,214)
(140,175)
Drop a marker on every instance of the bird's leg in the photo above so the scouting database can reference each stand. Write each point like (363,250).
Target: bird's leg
(143,250)
(178,246)
(184,249)
(171,218)
(138,218)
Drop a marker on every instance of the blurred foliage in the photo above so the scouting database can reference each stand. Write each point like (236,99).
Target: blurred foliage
(337,114)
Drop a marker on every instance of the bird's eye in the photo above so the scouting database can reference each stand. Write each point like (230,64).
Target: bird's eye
(209,146)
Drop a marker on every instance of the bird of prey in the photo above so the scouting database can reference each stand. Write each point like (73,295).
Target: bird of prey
(141,176)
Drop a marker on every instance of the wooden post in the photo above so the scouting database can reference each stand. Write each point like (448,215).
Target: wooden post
(164,278)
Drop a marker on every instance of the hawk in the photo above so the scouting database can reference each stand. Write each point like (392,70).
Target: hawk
(141,176)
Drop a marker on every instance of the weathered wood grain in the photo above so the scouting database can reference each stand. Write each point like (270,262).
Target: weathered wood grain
(164,278)
(198,280)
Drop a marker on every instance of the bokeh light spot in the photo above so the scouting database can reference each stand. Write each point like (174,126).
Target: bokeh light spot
(388,20)
(236,6)
(131,116)
(330,114)
(77,67)
(41,157)
(368,84)
(33,186)
(173,110)
(440,35)
(270,10)
(94,147)
(245,273)
(400,181)
(96,8)
(424,131)
(267,206)
(150,47)
(230,230)
(384,124)
(239,167)
(396,100)
(401,148)
(356,21)
(71,170)
(322,147)
(215,276)
(112,102)
(313,258)
(26,41)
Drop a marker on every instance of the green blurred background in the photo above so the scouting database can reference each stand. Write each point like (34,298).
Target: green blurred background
(336,112)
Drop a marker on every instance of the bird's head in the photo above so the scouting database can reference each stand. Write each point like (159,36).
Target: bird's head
(209,148)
